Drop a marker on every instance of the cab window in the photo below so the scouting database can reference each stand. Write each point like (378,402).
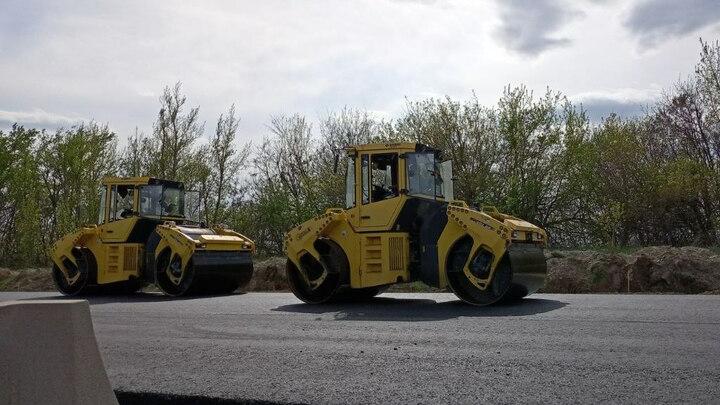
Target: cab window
(150,200)
(380,177)
(122,200)
(169,201)
(101,211)
(365,168)
(350,183)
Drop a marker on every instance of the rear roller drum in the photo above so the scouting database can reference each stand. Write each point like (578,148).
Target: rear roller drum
(79,275)
(318,282)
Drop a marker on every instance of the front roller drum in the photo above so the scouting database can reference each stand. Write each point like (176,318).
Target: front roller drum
(170,277)
(529,269)
(220,272)
(520,273)
(208,272)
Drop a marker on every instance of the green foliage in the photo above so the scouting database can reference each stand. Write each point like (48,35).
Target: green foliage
(19,211)
(71,164)
(219,179)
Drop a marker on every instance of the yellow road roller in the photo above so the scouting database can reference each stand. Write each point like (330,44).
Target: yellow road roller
(148,232)
(402,224)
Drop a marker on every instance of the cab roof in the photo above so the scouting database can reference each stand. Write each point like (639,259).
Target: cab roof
(139,181)
(391,147)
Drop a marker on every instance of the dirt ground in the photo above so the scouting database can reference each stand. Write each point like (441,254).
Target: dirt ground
(657,269)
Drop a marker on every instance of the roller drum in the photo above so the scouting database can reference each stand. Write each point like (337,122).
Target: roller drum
(521,272)
(221,271)
(529,269)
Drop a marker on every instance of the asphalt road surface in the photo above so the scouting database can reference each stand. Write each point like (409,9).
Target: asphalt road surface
(413,348)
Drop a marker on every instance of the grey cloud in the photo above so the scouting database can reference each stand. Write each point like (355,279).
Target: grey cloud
(598,108)
(527,26)
(654,21)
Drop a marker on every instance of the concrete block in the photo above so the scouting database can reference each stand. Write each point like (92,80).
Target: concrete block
(49,355)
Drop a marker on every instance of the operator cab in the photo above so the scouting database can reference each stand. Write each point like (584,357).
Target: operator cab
(378,169)
(146,197)
(381,178)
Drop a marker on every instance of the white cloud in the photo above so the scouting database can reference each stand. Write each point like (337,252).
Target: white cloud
(38,118)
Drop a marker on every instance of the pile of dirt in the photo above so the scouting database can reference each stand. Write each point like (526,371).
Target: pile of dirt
(269,275)
(656,269)
(26,280)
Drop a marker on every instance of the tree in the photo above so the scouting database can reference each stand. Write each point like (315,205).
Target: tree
(71,166)
(137,156)
(20,232)
(225,163)
(174,133)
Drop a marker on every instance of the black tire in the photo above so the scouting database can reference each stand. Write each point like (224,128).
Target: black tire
(334,262)
(86,269)
(461,285)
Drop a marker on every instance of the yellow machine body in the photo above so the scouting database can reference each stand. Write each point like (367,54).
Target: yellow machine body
(401,224)
(146,233)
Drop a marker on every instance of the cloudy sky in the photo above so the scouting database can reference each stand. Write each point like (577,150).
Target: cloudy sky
(65,62)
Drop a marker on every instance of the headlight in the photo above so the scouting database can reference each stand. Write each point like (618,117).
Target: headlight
(515,234)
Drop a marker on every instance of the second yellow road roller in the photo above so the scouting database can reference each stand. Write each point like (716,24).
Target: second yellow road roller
(148,232)
(401,223)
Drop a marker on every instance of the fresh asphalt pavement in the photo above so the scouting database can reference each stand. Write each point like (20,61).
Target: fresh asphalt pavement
(412,348)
